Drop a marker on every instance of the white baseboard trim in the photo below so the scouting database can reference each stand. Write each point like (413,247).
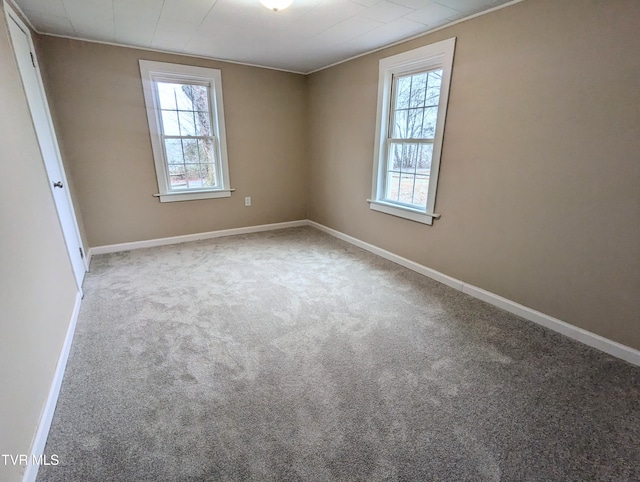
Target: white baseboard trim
(383,253)
(588,338)
(42,432)
(591,339)
(150,243)
(601,343)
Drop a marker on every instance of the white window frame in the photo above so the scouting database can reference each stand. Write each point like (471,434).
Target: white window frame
(151,72)
(435,56)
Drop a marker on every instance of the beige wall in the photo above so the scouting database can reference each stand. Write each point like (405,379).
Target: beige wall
(539,189)
(539,180)
(97,97)
(37,287)
(540,176)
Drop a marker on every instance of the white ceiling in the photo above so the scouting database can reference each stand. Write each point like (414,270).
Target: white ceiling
(307,36)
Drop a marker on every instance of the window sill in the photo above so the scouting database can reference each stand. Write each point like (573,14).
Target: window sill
(193,195)
(403,212)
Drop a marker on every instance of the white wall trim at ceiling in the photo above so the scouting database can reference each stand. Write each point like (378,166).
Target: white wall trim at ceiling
(150,243)
(601,343)
(42,431)
(422,34)
(170,52)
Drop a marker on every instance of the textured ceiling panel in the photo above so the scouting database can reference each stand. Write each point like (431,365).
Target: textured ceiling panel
(307,36)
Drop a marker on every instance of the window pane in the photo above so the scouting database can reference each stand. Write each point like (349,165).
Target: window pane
(405,193)
(190,150)
(185,106)
(424,159)
(414,123)
(418,90)
(173,148)
(428,130)
(193,176)
(170,124)
(182,98)
(175,96)
(187,123)
(192,104)
(433,87)
(191,163)
(416,107)
(420,191)
(403,89)
(408,171)
(177,177)
(205,147)
(412,111)
(400,125)
(197,97)
(423,172)
(166,95)
(203,125)
(394,169)
(177,170)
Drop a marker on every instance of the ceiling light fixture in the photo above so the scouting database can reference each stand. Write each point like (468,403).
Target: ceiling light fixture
(276,5)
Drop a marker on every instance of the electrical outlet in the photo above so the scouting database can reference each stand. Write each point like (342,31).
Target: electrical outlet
(247,201)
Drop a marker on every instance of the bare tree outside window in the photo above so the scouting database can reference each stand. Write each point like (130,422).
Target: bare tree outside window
(412,133)
(188,136)
(185,112)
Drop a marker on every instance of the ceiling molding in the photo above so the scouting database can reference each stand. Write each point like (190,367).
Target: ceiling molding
(423,34)
(17,8)
(170,52)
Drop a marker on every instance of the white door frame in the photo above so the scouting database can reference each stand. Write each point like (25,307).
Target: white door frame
(71,244)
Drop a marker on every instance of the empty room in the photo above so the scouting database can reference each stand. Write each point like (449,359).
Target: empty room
(320,240)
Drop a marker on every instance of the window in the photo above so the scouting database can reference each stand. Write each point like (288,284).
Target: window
(186,121)
(413,89)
